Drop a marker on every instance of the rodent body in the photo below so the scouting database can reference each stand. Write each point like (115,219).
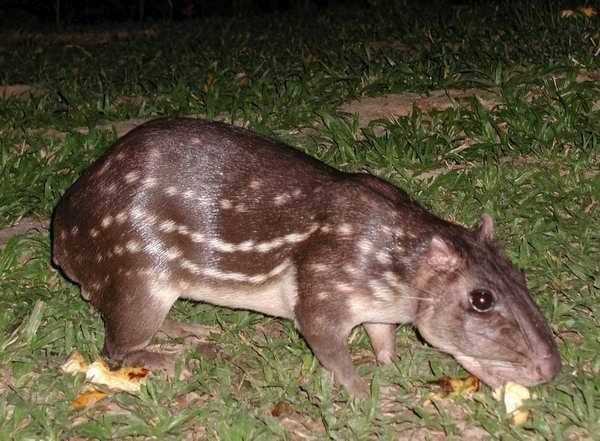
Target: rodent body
(182,208)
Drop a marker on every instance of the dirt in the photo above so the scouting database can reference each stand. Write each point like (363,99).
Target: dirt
(23,226)
(392,106)
(19,90)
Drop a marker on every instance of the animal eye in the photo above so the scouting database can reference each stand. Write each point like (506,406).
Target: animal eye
(481,300)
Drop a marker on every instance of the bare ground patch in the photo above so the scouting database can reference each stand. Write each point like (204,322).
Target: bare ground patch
(23,226)
(393,106)
(19,91)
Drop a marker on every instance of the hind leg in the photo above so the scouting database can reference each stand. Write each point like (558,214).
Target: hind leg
(132,315)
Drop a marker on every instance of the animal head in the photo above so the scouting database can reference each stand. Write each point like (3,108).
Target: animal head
(476,307)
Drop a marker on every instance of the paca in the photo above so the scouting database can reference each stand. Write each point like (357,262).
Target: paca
(184,208)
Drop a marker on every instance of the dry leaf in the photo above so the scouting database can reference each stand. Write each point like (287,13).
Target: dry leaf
(88,399)
(282,409)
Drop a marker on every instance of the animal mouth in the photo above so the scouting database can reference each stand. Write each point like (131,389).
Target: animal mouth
(496,373)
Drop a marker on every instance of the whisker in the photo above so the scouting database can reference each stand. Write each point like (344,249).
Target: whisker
(510,349)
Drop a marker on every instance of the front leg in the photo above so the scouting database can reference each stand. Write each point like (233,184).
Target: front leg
(324,320)
(383,340)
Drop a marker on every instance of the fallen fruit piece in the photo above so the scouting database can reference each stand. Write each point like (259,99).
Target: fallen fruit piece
(128,379)
(514,394)
(88,399)
(74,364)
(457,386)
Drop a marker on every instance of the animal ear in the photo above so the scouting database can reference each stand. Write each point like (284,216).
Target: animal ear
(486,228)
(441,256)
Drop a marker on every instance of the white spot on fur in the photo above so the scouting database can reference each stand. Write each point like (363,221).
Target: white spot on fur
(255,184)
(326,228)
(149,182)
(121,217)
(319,267)
(297,192)
(150,219)
(75,230)
(183,230)
(94,232)
(99,257)
(167,226)
(344,287)
(322,295)
(137,213)
(171,191)
(225,247)
(190,266)
(106,221)
(350,269)
(195,140)
(247,245)
(189,194)
(133,246)
(131,177)
(265,247)
(386,230)
(120,156)
(383,257)
(104,167)
(197,237)
(225,204)
(111,188)
(154,247)
(365,246)
(344,229)
(281,199)
(118,250)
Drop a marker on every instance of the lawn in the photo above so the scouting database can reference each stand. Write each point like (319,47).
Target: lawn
(470,108)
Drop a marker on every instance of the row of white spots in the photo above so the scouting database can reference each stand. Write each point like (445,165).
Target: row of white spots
(231,276)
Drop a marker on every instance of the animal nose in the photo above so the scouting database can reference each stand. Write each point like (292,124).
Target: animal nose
(548,367)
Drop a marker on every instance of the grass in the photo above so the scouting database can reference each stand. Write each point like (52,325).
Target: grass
(532,161)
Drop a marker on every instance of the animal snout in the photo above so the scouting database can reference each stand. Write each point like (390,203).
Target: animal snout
(548,367)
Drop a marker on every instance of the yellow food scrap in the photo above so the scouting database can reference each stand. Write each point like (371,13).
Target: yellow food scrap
(127,379)
(458,386)
(514,394)
(88,399)
(74,364)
